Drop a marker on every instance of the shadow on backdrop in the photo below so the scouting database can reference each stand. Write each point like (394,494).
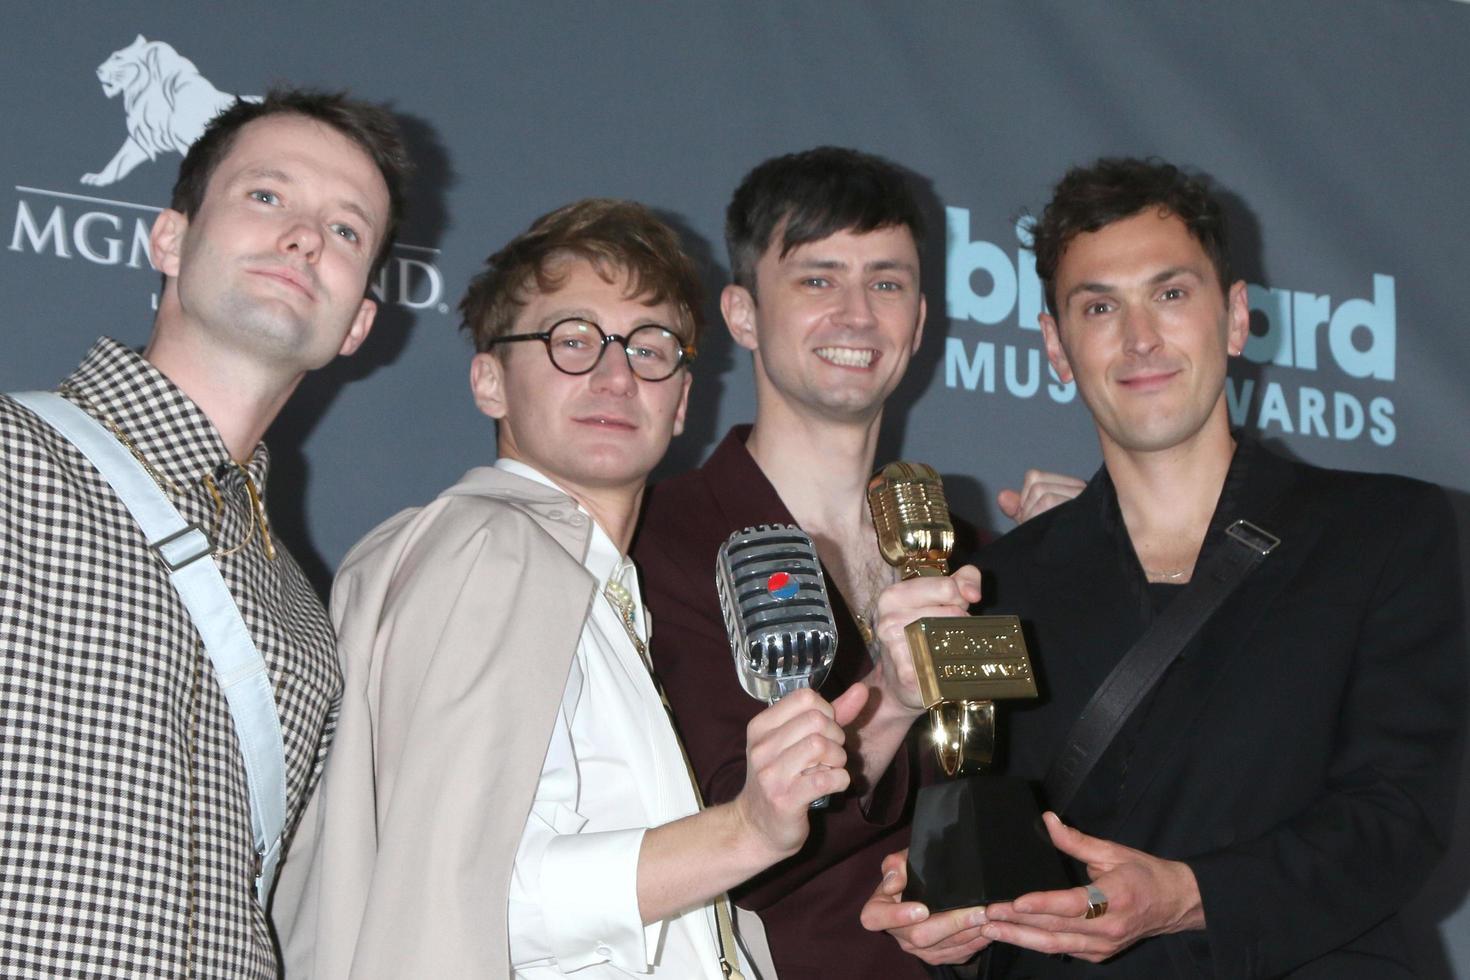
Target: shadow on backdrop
(426,219)
(924,366)
(717,352)
(1248,255)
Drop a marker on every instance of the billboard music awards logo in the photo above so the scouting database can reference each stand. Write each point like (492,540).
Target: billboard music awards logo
(1292,330)
(166,103)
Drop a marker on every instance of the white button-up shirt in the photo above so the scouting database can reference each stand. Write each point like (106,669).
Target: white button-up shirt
(613,769)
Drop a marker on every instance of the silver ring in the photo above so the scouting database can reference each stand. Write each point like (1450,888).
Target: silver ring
(1097,902)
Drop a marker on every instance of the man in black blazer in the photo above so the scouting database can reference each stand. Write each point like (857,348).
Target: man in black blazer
(1287,785)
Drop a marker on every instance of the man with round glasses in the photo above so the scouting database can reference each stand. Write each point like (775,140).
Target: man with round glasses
(508,796)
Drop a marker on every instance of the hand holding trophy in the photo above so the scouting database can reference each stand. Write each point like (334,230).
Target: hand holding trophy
(976,839)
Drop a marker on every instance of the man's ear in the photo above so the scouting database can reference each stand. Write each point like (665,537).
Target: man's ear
(737,306)
(487,384)
(166,241)
(686,381)
(1055,352)
(919,330)
(362,323)
(1238,313)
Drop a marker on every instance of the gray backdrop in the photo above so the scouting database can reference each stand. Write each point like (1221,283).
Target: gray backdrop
(1336,127)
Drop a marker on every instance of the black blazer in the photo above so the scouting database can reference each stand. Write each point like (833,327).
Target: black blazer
(1301,755)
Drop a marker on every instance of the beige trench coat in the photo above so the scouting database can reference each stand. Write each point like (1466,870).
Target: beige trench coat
(456,623)
(456,626)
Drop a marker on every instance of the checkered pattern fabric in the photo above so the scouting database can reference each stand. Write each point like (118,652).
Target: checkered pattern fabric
(125,846)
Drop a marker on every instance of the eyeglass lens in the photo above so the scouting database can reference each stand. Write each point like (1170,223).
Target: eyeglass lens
(653,352)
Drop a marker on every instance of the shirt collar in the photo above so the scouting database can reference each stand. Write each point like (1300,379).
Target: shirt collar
(163,423)
(603,559)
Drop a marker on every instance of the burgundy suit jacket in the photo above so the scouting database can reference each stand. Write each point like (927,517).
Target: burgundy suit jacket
(811,901)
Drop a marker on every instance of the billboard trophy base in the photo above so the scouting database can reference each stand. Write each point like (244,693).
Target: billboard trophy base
(978,838)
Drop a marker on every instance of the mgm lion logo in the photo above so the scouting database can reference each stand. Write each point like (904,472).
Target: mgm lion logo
(167,102)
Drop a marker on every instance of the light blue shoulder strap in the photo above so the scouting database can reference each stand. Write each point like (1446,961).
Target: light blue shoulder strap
(185,551)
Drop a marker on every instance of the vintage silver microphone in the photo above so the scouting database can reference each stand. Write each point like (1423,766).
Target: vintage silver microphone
(777,613)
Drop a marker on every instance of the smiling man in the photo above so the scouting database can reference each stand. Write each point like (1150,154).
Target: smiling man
(132,839)
(1287,778)
(824,251)
(508,796)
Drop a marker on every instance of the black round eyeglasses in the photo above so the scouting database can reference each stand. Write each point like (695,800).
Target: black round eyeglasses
(575,345)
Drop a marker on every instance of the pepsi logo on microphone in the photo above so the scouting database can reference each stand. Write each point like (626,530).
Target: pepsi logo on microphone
(782,585)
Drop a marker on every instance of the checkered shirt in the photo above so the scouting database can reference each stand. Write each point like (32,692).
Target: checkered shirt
(125,843)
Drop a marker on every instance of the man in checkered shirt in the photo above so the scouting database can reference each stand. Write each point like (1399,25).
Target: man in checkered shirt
(125,836)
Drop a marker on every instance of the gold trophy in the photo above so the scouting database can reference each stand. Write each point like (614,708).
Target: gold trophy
(977,839)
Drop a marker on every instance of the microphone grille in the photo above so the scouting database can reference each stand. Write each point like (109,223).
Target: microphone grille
(910,513)
(776,609)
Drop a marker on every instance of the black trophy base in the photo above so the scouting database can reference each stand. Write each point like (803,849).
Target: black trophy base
(980,840)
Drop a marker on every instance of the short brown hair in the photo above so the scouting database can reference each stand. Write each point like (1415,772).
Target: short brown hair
(614,236)
(371,127)
(1090,198)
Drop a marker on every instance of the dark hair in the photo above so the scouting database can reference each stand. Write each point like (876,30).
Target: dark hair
(371,127)
(809,196)
(1113,188)
(614,236)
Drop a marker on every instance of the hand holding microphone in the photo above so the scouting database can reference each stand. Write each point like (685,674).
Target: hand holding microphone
(784,640)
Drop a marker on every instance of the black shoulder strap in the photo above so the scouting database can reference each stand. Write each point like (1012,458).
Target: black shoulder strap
(1245,546)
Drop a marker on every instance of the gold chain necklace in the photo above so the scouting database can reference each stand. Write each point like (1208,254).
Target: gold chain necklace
(257,506)
(621,600)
